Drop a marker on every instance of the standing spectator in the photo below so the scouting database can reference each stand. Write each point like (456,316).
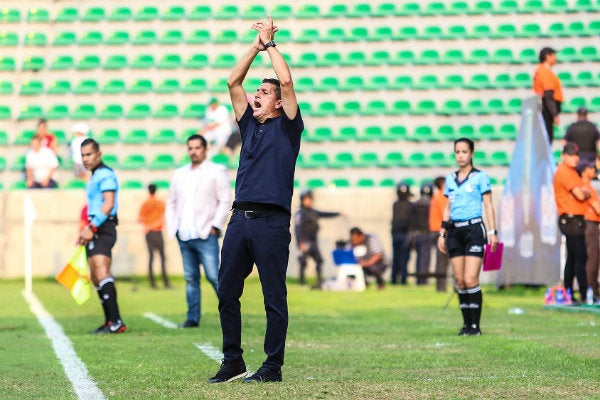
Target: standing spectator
(462,233)
(436,213)
(217,126)
(48,139)
(80,131)
(40,165)
(368,251)
(152,215)
(400,237)
(197,206)
(419,232)
(571,197)
(547,85)
(587,170)
(585,135)
(306,227)
(259,229)
(100,235)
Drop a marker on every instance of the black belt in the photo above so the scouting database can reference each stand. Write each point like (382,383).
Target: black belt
(460,224)
(110,218)
(251,214)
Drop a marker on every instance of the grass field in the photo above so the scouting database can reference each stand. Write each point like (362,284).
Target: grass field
(394,344)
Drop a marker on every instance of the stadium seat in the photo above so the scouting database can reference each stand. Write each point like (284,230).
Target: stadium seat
(336,10)
(88,62)
(367,159)
(424,107)
(431,32)
(589,53)
(507,132)
(136,136)
(349,108)
(439,159)
(114,86)
(169,61)
(84,111)
(402,82)
(116,62)
(480,32)
(120,14)
(451,107)
(479,81)
(325,108)
(9,39)
(225,61)
(417,159)
(531,30)
(59,87)
(584,6)
(111,111)
(3,138)
(505,31)
(381,34)
(334,35)
(28,88)
(7,63)
(141,86)
(194,111)
(62,63)
(162,162)
(308,11)
(31,111)
(146,13)
(57,111)
(478,56)
(198,85)
(315,183)
(139,111)
(316,160)
(377,82)
(339,183)
(345,134)
(165,111)
(133,162)
(487,132)
(93,14)
(586,78)
(501,56)
(164,136)
(365,183)
(168,86)
(144,37)
(117,38)
(393,159)
(173,13)
(281,11)
(375,107)
(23,138)
(409,9)
(433,8)
(196,61)
(318,135)
(395,133)
(219,85)
(327,83)
(200,13)
(199,36)
(108,136)
(427,82)
(227,36)
(357,34)
(65,38)
(18,163)
(6,87)
(5,112)
(86,86)
(91,38)
(10,15)
(33,63)
(423,133)
(385,10)
(399,107)
(406,33)
(342,160)
(131,184)
(332,59)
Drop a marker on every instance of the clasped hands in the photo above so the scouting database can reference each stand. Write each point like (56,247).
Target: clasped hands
(266,32)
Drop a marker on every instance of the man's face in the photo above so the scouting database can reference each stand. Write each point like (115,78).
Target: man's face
(35,144)
(265,103)
(570,160)
(196,151)
(551,59)
(589,173)
(90,157)
(357,239)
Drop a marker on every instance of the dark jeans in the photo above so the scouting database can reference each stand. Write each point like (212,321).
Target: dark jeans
(155,243)
(575,264)
(423,249)
(314,253)
(401,250)
(592,245)
(264,242)
(377,271)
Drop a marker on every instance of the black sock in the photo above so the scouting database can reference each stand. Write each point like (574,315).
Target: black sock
(104,306)
(475,300)
(109,294)
(463,298)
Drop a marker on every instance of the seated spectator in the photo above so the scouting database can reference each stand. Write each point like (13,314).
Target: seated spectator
(48,139)
(217,126)
(368,251)
(80,131)
(40,165)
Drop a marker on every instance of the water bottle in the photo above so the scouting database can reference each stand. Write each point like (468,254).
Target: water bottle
(589,296)
(559,297)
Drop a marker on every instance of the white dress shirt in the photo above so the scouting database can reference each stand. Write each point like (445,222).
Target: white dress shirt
(42,162)
(199,199)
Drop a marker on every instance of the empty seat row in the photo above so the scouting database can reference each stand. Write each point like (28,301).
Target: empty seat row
(303,11)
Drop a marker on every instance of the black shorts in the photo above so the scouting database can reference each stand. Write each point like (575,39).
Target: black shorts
(466,240)
(104,240)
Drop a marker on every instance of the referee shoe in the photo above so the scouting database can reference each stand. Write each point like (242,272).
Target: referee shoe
(230,371)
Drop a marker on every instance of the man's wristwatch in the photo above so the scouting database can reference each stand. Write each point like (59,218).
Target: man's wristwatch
(270,44)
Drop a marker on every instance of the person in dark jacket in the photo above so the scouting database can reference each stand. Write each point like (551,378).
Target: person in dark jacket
(419,232)
(306,227)
(400,237)
(585,135)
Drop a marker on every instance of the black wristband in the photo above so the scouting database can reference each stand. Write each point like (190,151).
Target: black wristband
(445,225)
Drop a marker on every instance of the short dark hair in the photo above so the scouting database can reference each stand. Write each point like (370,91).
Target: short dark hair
(197,137)
(92,142)
(152,188)
(545,52)
(356,231)
(439,182)
(41,121)
(277,84)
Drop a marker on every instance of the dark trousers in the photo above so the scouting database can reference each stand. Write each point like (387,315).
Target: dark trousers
(401,253)
(441,265)
(592,246)
(314,253)
(423,248)
(155,243)
(264,242)
(377,271)
(575,264)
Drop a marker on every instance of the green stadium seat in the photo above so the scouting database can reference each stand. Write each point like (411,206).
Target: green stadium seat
(315,183)
(62,63)
(566,79)
(578,29)
(281,11)
(200,13)
(308,11)
(375,107)
(136,136)
(486,132)
(38,39)
(116,62)
(30,88)
(194,110)
(196,61)
(594,104)
(365,183)
(427,82)
(327,83)
(431,32)
(162,162)
(418,159)
(144,37)
(589,53)
(457,8)
(33,63)
(349,108)
(330,59)
(23,138)
(586,78)
(454,32)
(120,14)
(197,85)
(478,56)
(354,82)
(199,36)
(531,30)
(446,133)
(399,107)
(501,56)
(371,133)
(360,10)
(453,81)
(168,86)
(141,86)
(305,84)
(5,112)
(219,85)
(18,163)
(117,38)
(173,13)
(584,6)
(316,160)
(357,34)
(88,62)
(434,8)
(31,111)
(345,134)
(475,107)
(146,13)
(354,58)
(319,135)
(57,111)
(569,54)
(507,132)
(336,11)
(164,136)
(556,6)
(7,63)
(9,39)
(65,38)
(479,81)
(227,36)
(506,7)
(409,9)
(428,57)
(111,111)
(423,133)
(385,10)
(109,136)
(226,12)
(169,61)
(367,159)
(377,82)
(406,33)
(86,86)
(2,163)
(91,38)
(334,35)
(139,111)
(131,184)
(451,107)
(74,184)
(481,7)
(393,159)
(381,34)
(340,183)
(6,87)
(224,60)
(558,29)
(326,108)
(93,14)
(480,32)
(3,138)
(342,160)
(307,60)
(532,7)
(387,183)
(527,56)
(522,80)
(503,81)
(424,107)
(10,15)
(505,31)
(114,86)
(254,12)
(166,111)
(84,112)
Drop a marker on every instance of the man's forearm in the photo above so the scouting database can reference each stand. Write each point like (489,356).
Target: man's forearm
(241,69)
(280,66)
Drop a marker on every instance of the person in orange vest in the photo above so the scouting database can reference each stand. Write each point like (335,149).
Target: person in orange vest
(547,85)
(436,212)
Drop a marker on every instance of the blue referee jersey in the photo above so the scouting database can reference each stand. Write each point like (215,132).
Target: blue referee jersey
(103,179)
(465,197)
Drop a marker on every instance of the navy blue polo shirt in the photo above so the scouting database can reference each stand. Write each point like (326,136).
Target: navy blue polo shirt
(465,197)
(268,159)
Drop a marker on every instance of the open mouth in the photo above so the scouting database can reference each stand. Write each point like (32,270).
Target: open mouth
(256,104)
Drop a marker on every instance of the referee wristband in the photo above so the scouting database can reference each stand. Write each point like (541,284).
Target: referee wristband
(492,232)
(99,219)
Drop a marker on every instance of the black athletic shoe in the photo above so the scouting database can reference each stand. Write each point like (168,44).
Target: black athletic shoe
(264,375)
(189,324)
(113,327)
(230,371)
(463,331)
(101,328)
(473,331)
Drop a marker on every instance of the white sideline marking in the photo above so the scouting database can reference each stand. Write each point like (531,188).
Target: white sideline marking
(84,385)
(161,321)
(210,351)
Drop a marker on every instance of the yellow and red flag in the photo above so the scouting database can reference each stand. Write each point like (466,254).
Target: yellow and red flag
(74,276)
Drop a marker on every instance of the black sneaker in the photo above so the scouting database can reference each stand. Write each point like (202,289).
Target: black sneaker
(463,331)
(101,328)
(189,324)
(112,327)
(264,375)
(473,331)
(230,371)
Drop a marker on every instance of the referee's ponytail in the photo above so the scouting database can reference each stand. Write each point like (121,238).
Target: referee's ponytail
(469,143)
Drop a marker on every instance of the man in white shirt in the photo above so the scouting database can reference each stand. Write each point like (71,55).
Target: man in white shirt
(80,132)
(197,207)
(217,126)
(40,165)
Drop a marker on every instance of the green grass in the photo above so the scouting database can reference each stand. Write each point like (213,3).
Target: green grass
(394,344)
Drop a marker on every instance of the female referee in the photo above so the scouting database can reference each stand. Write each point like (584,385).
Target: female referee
(463,235)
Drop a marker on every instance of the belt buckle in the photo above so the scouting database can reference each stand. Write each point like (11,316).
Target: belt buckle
(248,214)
